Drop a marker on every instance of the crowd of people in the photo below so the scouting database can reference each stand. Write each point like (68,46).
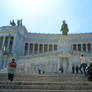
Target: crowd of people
(84,68)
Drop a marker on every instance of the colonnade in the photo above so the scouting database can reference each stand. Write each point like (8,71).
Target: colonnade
(6,43)
(31,48)
(85,47)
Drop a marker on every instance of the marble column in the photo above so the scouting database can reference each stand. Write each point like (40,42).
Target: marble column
(28,52)
(9,43)
(3,42)
(14,45)
(43,48)
(33,48)
(24,49)
(82,47)
(52,47)
(38,48)
(77,47)
(86,48)
(48,48)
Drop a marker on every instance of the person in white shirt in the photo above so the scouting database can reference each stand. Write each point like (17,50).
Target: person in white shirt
(83,64)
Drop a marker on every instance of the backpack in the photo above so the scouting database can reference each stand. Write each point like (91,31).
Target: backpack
(13,64)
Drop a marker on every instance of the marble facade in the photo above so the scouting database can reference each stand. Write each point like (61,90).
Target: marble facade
(51,51)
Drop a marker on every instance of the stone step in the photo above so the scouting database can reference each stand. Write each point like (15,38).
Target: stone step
(69,82)
(31,90)
(47,87)
(45,78)
(48,80)
(52,76)
(45,83)
(44,75)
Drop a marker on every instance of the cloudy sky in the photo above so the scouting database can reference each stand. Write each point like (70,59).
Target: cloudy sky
(46,16)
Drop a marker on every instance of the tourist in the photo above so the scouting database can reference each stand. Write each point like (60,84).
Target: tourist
(39,69)
(86,71)
(90,71)
(77,69)
(73,69)
(83,64)
(61,69)
(11,69)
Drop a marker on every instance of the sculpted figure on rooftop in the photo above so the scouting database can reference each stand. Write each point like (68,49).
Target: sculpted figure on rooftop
(64,28)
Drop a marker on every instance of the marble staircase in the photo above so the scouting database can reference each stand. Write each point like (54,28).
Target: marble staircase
(46,83)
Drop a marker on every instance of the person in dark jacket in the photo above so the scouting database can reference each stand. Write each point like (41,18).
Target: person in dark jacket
(77,69)
(73,69)
(90,71)
(61,69)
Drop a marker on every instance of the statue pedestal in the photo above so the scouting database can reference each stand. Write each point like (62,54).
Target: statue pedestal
(65,53)
(64,44)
